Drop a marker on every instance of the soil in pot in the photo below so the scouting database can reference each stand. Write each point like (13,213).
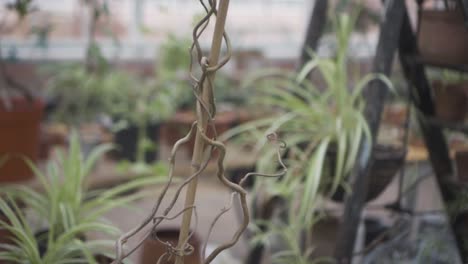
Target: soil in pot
(451,101)
(154,249)
(387,161)
(127,140)
(19,137)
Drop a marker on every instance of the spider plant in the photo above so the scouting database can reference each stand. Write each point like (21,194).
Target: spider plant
(65,247)
(311,120)
(66,204)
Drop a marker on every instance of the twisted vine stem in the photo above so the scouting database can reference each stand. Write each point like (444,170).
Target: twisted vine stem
(207,107)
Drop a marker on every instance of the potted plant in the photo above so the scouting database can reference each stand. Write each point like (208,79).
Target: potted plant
(323,128)
(74,90)
(138,106)
(20,113)
(135,104)
(65,204)
(310,116)
(24,246)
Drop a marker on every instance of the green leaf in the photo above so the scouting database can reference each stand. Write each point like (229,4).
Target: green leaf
(94,156)
(340,159)
(312,182)
(306,70)
(368,78)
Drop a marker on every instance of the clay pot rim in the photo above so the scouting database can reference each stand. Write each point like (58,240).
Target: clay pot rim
(21,104)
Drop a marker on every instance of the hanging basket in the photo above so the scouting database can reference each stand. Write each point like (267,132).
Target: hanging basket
(443,38)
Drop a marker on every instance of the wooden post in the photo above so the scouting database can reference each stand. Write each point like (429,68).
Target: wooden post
(202,117)
(375,96)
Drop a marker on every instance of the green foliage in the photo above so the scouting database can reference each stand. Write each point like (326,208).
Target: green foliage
(64,248)
(135,100)
(449,76)
(83,95)
(311,120)
(79,94)
(66,205)
(314,119)
(173,57)
(21,7)
(171,72)
(172,66)
(129,99)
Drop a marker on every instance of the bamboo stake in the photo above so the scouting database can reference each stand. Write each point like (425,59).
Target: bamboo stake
(202,118)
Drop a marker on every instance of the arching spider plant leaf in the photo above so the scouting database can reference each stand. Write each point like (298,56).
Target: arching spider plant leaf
(312,181)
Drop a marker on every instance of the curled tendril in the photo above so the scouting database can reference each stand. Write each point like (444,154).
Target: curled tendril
(155,218)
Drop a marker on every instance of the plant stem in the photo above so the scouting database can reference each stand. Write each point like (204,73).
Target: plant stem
(202,118)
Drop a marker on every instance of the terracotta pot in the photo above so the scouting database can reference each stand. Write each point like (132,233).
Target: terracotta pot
(153,249)
(387,162)
(19,137)
(443,37)
(450,101)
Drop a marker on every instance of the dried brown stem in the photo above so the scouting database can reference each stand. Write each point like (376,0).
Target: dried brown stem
(203,88)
